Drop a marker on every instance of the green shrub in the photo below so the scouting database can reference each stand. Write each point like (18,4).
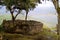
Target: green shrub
(1,28)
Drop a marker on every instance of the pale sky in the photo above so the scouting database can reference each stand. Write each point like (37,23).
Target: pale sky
(59,3)
(44,13)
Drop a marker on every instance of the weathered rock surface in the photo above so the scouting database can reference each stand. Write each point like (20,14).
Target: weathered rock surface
(22,26)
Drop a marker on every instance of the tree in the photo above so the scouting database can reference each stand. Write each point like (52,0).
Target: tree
(56,4)
(28,5)
(1,4)
(11,5)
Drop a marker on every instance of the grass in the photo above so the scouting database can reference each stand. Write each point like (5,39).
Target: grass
(46,34)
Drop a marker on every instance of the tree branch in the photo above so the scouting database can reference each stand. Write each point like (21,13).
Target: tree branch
(17,14)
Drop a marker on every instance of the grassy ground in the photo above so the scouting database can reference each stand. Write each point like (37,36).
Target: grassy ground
(46,34)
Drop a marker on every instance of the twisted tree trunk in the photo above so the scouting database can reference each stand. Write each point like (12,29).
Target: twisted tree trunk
(26,15)
(13,19)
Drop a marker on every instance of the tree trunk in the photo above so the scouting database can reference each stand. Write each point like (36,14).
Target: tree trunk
(13,19)
(56,4)
(57,7)
(58,26)
(26,15)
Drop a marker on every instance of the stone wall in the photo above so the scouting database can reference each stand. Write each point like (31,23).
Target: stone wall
(22,26)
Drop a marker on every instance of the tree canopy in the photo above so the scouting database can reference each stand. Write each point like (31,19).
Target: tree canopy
(27,5)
